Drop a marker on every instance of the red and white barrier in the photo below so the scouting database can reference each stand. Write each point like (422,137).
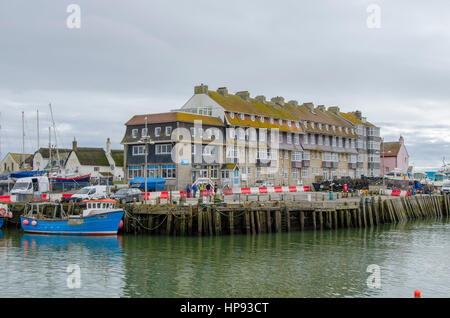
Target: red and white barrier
(230,191)
(5,199)
(397,193)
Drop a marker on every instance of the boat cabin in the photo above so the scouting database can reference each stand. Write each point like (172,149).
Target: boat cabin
(99,206)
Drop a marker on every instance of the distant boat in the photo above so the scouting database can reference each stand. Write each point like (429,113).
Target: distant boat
(78,179)
(99,218)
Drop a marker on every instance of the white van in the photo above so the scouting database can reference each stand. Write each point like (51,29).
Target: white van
(31,186)
(88,193)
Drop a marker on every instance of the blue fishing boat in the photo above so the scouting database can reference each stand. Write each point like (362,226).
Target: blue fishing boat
(99,218)
(1,222)
(3,213)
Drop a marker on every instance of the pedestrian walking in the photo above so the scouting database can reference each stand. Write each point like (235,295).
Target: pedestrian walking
(200,188)
(215,188)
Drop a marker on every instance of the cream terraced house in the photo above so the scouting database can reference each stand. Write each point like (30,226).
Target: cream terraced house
(312,141)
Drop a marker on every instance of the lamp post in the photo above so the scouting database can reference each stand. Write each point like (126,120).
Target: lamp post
(146,140)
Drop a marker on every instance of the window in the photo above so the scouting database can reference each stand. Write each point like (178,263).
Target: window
(286,154)
(280,121)
(157,131)
(169,171)
(306,155)
(242,116)
(326,126)
(271,173)
(327,141)
(305,139)
(296,139)
(261,119)
(320,140)
(296,156)
(262,135)
(320,126)
(225,174)
(192,129)
(272,121)
(134,133)
(289,138)
(96,168)
(153,171)
(304,172)
(252,117)
(259,172)
(312,125)
(280,137)
(138,150)
(281,172)
(281,154)
(327,156)
(286,173)
(134,171)
(289,123)
(168,131)
(231,133)
(313,139)
(232,115)
(144,132)
(163,149)
(295,173)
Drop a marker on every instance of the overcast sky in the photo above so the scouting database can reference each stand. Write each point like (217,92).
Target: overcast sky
(133,57)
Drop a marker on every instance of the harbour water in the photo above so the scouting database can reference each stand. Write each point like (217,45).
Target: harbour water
(410,255)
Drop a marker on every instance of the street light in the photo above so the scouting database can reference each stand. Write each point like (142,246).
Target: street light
(146,140)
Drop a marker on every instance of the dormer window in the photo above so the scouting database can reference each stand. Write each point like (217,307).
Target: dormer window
(134,133)
(346,129)
(312,125)
(289,123)
(326,126)
(232,115)
(261,119)
(334,127)
(271,121)
(320,126)
(242,116)
(144,132)
(340,128)
(168,131)
(297,124)
(157,131)
(280,121)
(252,117)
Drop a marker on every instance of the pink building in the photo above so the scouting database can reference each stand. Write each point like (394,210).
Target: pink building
(393,155)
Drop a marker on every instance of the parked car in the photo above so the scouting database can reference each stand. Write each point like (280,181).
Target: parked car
(88,193)
(128,195)
(263,183)
(445,187)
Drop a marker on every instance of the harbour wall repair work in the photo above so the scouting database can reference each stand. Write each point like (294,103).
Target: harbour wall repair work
(253,217)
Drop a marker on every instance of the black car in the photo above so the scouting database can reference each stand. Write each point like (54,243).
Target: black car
(128,195)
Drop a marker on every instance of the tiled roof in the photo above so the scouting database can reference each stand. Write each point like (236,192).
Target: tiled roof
(18,157)
(173,117)
(117,156)
(92,156)
(45,153)
(390,149)
(234,103)
(352,118)
(257,123)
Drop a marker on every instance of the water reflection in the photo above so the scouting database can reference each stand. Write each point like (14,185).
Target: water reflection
(299,264)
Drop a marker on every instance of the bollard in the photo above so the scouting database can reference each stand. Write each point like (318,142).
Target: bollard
(417,293)
(331,195)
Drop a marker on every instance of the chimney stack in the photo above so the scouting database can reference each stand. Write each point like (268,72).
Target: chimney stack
(245,95)
(108,146)
(278,100)
(223,91)
(358,115)
(321,108)
(293,103)
(401,140)
(310,106)
(202,89)
(74,144)
(334,109)
(261,98)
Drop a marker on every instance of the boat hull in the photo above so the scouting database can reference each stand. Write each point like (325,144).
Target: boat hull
(101,224)
(79,179)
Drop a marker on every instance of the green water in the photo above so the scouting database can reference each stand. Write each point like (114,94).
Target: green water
(309,264)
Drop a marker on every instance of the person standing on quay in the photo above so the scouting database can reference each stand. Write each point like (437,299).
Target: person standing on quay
(200,188)
(194,189)
(208,191)
(188,191)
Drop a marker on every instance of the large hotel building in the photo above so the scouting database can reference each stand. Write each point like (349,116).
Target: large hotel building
(242,141)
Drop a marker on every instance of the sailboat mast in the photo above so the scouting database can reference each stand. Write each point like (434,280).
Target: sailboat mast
(37,117)
(54,130)
(23,137)
(50,148)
